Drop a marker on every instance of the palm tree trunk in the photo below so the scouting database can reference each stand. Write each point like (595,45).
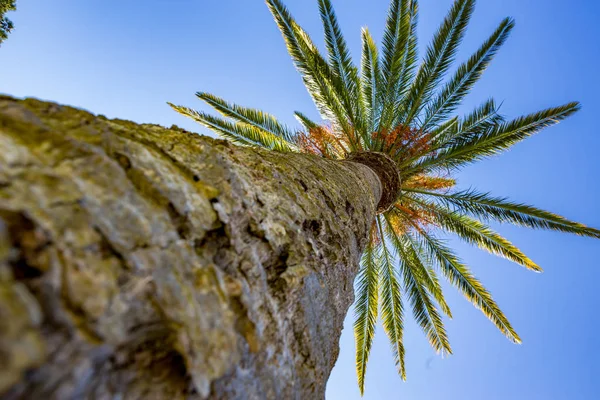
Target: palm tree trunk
(138,262)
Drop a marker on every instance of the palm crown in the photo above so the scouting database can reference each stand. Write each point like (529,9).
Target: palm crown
(405,109)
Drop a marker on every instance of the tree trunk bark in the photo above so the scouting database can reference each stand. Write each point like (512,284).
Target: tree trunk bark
(138,262)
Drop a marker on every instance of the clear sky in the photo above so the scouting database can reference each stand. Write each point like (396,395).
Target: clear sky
(127,58)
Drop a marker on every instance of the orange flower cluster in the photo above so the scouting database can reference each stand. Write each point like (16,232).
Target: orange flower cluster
(402,220)
(398,223)
(402,142)
(419,219)
(322,141)
(429,182)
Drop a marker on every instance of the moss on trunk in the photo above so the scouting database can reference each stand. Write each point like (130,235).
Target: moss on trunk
(144,262)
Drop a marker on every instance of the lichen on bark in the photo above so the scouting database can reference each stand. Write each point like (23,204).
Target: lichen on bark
(145,262)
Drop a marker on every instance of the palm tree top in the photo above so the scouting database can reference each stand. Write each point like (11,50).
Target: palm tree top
(406,108)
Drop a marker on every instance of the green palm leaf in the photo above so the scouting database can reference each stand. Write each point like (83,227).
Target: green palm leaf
(399,57)
(306,122)
(322,85)
(416,283)
(461,277)
(430,279)
(466,76)
(392,309)
(439,56)
(249,116)
(334,102)
(371,80)
(476,233)
(366,311)
(427,276)
(424,310)
(242,134)
(339,57)
(445,129)
(462,150)
(341,63)
(485,206)
(478,122)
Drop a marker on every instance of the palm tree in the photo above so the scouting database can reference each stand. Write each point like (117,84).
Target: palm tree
(406,110)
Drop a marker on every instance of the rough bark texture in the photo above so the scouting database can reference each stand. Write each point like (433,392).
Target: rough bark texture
(138,262)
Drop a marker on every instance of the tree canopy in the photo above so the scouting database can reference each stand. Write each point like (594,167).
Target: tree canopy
(6,25)
(407,109)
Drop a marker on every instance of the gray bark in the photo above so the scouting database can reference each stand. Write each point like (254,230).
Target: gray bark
(138,262)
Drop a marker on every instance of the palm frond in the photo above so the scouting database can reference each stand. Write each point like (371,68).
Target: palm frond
(446,128)
(339,56)
(249,116)
(476,233)
(429,277)
(466,76)
(392,309)
(306,122)
(485,206)
(461,277)
(341,61)
(371,80)
(416,284)
(440,54)
(285,22)
(469,148)
(335,103)
(479,121)
(242,134)
(398,57)
(476,123)
(422,267)
(320,81)
(366,309)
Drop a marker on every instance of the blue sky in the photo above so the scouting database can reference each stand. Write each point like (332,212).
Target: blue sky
(127,58)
